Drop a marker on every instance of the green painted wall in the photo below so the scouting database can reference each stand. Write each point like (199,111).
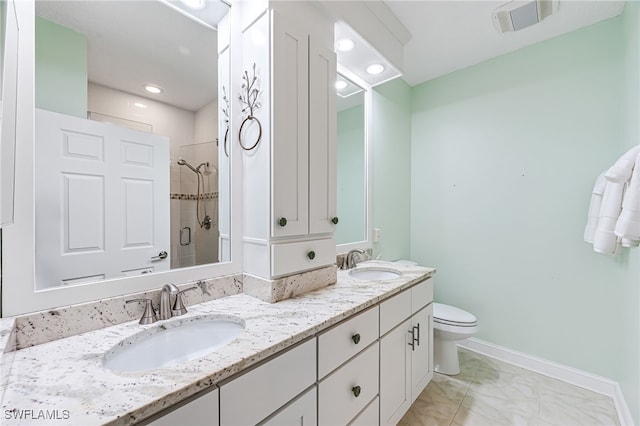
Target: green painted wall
(630,287)
(504,157)
(61,69)
(391,180)
(351,176)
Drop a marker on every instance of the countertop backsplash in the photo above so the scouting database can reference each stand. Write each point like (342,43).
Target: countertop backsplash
(46,326)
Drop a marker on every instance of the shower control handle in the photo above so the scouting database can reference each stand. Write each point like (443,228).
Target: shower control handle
(162,255)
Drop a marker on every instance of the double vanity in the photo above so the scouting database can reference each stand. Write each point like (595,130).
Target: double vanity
(355,352)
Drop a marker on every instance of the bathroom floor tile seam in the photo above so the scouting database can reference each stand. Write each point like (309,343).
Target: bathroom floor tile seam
(491,392)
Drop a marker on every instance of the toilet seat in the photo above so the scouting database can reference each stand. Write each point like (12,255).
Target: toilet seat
(450,315)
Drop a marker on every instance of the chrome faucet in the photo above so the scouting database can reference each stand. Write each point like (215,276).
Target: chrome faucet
(166,310)
(350,260)
(165,300)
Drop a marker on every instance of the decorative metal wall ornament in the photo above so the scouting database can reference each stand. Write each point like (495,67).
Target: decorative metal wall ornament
(249,97)
(225,111)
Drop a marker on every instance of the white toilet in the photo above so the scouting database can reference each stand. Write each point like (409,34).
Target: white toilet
(450,325)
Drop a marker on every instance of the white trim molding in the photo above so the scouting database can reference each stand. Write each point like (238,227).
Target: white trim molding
(583,379)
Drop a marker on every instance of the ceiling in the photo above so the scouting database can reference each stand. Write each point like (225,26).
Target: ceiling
(129,42)
(132,43)
(451,35)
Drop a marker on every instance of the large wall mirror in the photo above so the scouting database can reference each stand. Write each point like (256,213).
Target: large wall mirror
(128,153)
(120,188)
(9,33)
(352,163)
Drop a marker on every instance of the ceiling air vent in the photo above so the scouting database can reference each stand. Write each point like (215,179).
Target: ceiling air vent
(517,14)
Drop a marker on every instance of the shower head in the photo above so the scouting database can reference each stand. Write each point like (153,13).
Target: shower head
(182,162)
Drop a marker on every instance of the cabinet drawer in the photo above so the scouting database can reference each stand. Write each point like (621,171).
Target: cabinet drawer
(287,258)
(369,416)
(337,403)
(338,344)
(395,310)
(253,396)
(421,295)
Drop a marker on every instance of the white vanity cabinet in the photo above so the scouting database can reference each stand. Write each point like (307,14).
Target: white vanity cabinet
(290,177)
(366,370)
(259,393)
(406,350)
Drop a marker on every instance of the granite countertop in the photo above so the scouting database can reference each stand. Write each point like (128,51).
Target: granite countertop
(66,380)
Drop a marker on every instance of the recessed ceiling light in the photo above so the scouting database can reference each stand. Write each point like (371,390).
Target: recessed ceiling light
(193,4)
(341,84)
(345,45)
(152,89)
(375,69)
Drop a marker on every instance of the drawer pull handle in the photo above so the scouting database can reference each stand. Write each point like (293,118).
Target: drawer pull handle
(311,255)
(282,221)
(356,338)
(356,391)
(413,338)
(335,220)
(417,339)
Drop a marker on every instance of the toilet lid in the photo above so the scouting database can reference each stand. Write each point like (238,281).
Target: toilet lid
(446,314)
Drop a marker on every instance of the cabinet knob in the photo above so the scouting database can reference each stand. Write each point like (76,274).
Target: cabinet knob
(356,338)
(356,391)
(282,221)
(311,255)
(335,220)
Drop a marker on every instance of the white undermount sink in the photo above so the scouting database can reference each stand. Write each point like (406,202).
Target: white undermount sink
(372,273)
(173,342)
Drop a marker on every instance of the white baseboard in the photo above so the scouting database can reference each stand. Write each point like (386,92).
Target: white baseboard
(567,374)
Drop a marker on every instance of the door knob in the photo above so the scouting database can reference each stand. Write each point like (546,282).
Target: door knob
(334,220)
(282,221)
(311,255)
(162,255)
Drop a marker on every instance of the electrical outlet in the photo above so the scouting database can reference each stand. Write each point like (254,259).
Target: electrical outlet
(376,235)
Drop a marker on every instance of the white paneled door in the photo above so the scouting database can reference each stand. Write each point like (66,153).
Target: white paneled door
(102,201)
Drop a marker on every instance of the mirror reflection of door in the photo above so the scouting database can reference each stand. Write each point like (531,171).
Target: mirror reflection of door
(351,154)
(132,68)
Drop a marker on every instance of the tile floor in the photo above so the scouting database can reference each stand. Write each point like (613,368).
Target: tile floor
(488,392)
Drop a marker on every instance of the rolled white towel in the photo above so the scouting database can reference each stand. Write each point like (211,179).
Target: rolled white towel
(594,208)
(628,224)
(604,240)
(622,169)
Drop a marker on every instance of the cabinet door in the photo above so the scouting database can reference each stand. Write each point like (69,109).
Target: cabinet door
(253,396)
(422,353)
(290,144)
(322,139)
(302,412)
(395,379)
(202,411)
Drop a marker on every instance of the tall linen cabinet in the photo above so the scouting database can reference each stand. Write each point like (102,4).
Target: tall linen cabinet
(289,182)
